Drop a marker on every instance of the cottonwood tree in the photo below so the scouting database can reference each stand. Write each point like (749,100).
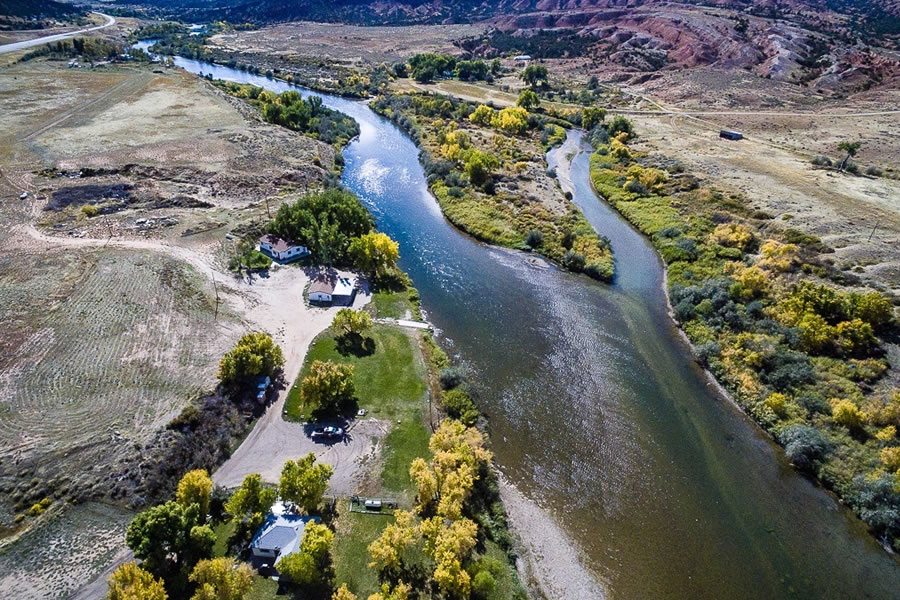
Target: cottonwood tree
(195,488)
(445,482)
(528,100)
(304,482)
(400,591)
(170,539)
(221,579)
(375,253)
(130,582)
(251,501)
(343,593)
(851,148)
(387,549)
(352,322)
(329,385)
(448,543)
(592,116)
(254,354)
(535,74)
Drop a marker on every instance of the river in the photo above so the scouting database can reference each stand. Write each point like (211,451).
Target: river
(597,412)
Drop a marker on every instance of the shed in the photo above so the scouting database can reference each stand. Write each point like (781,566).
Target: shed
(331,289)
(522,58)
(281,249)
(731,135)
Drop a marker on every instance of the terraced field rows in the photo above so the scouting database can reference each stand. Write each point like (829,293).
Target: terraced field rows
(99,360)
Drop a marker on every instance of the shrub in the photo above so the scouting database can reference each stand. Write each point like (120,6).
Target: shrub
(886,434)
(459,405)
(451,377)
(874,171)
(573,261)
(877,503)
(804,446)
(821,161)
(534,238)
(89,210)
(483,584)
(734,235)
(846,413)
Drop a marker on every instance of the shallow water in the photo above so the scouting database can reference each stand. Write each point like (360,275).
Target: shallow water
(597,411)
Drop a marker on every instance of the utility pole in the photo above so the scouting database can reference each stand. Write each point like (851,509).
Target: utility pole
(216,287)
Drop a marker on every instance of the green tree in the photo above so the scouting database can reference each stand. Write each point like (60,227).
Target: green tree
(528,100)
(479,166)
(130,582)
(170,539)
(195,488)
(851,148)
(375,253)
(254,354)
(304,482)
(329,385)
(620,124)
(252,500)
(592,116)
(352,322)
(535,74)
(326,222)
(221,579)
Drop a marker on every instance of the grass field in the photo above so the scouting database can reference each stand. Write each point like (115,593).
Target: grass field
(389,382)
(355,532)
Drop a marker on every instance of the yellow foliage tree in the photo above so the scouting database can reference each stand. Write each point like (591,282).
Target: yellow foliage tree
(386,550)
(753,281)
(513,119)
(195,488)
(778,257)
(221,579)
(254,354)
(343,593)
(130,582)
(448,543)
(375,253)
(399,592)
(482,115)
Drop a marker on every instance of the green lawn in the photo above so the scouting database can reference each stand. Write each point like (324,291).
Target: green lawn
(389,382)
(392,305)
(223,530)
(405,442)
(355,532)
(263,589)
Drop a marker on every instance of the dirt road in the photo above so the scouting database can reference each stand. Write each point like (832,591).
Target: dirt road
(110,21)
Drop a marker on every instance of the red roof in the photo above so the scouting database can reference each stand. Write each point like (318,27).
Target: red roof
(278,244)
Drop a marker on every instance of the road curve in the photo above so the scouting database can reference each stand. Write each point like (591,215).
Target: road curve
(55,38)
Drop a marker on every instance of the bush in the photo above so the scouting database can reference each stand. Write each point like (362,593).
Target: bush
(821,161)
(877,503)
(874,171)
(534,238)
(89,210)
(459,405)
(451,377)
(804,446)
(573,261)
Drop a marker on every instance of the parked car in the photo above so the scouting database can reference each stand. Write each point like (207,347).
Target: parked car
(330,433)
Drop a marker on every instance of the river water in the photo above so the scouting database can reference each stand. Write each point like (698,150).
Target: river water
(597,412)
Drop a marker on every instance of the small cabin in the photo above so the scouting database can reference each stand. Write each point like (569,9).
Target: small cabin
(332,290)
(731,135)
(280,249)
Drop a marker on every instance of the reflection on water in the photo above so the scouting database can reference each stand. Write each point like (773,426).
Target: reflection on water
(597,411)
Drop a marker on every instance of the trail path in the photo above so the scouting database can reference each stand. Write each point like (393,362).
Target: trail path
(110,21)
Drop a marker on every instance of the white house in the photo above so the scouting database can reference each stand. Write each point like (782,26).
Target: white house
(280,249)
(332,290)
(280,534)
